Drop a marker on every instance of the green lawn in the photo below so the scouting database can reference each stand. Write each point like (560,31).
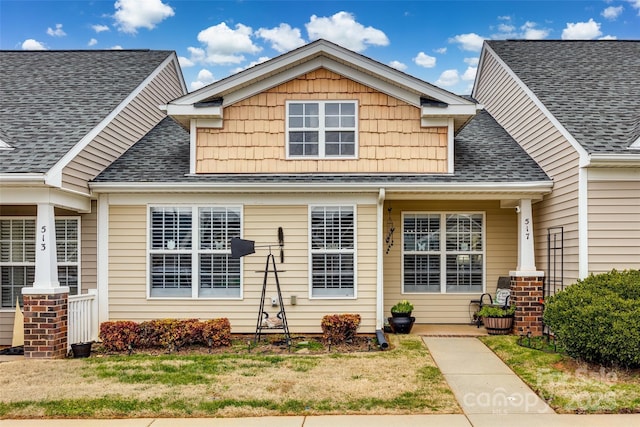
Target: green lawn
(234,384)
(569,386)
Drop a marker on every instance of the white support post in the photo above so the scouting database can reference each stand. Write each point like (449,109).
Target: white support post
(526,247)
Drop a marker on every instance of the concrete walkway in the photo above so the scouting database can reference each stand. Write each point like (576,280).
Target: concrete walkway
(489,393)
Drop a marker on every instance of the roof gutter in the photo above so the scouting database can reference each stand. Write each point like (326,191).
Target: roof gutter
(22,178)
(614,160)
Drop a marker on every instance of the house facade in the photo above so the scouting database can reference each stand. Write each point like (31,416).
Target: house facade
(574,107)
(386,188)
(64,117)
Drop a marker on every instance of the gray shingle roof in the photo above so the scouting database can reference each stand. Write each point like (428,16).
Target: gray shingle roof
(484,152)
(591,87)
(49,100)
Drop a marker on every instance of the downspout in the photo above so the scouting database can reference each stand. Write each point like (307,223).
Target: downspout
(380,266)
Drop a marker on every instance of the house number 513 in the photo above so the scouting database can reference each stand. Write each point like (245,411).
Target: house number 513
(43,231)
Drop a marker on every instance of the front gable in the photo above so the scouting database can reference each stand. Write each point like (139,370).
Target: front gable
(390,138)
(243,124)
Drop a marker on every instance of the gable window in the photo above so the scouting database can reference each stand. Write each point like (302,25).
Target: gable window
(18,256)
(321,129)
(443,253)
(332,251)
(181,268)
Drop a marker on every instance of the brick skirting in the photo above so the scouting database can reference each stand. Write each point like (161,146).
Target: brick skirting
(45,326)
(526,294)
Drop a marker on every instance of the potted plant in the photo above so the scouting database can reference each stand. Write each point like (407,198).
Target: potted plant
(401,320)
(497,320)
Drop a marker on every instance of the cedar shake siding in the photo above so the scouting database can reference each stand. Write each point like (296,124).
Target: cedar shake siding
(390,137)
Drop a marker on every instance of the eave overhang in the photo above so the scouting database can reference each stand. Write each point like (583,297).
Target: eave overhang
(408,190)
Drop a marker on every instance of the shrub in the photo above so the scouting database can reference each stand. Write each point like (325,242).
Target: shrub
(169,333)
(218,331)
(118,335)
(339,327)
(493,311)
(598,318)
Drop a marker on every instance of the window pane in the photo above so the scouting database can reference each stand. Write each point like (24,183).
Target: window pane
(311,122)
(332,245)
(68,276)
(332,109)
(296,109)
(421,273)
(295,122)
(332,121)
(67,240)
(348,108)
(311,109)
(171,275)
(348,122)
(171,228)
(464,273)
(421,232)
(219,276)
(13,280)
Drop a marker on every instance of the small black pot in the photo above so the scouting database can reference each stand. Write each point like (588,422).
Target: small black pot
(401,325)
(82,349)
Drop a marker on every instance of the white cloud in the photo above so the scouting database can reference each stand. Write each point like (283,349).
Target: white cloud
(611,13)
(441,50)
(530,32)
(581,30)
(92,42)
(343,29)
(251,64)
(283,38)
(448,78)
(398,65)
(469,74)
(425,60)
(225,45)
(504,18)
(99,28)
(471,41)
(58,32)
(133,14)
(472,61)
(31,44)
(185,62)
(636,5)
(506,28)
(197,54)
(608,37)
(205,77)
(116,47)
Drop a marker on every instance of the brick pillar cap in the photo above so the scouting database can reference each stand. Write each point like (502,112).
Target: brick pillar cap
(45,291)
(526,273)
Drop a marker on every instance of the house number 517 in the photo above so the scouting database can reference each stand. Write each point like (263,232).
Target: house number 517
(43,231)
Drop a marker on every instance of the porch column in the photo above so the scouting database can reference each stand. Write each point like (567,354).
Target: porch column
(45,304)
(526,280)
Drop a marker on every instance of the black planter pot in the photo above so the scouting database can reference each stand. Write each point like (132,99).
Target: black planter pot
(401,325)
(400,314)
(82,349)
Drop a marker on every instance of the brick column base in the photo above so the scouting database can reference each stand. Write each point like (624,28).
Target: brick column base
(45,326)
(526,294)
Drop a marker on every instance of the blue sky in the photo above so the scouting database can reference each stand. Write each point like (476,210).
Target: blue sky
(437,41)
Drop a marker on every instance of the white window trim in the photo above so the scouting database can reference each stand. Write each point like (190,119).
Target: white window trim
(321,129)
(443,252)
(195,252)
(77,264)
(354,251)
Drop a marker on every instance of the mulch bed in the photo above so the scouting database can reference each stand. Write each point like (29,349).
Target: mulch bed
(269,344)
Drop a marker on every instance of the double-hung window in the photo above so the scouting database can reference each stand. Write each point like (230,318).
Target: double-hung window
(180,267)
(322,129)
(332,251)
(18,256)
(443,252)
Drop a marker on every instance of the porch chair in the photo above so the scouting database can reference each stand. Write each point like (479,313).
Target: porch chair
(502,298)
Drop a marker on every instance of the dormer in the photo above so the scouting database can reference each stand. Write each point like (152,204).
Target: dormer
(321,109)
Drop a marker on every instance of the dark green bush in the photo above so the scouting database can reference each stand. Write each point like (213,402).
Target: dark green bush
(598,318)
(339,327)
